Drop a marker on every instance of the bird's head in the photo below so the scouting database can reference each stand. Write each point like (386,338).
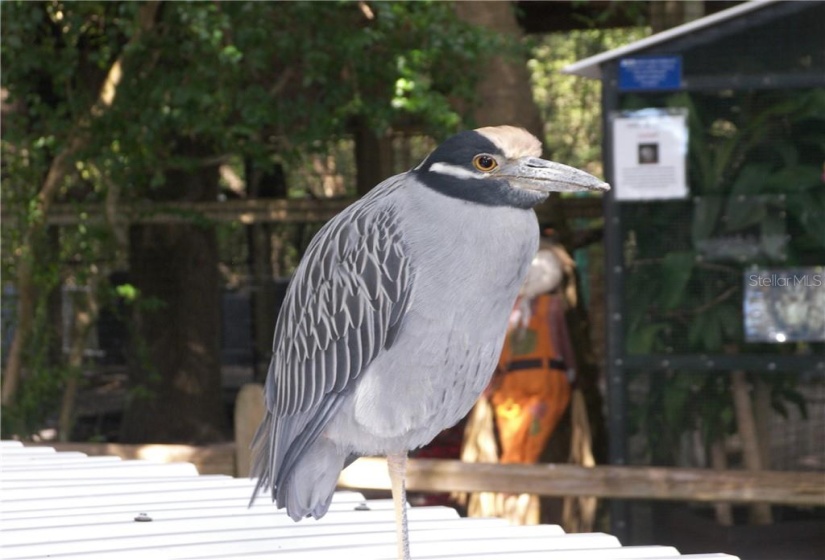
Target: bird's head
(499,166)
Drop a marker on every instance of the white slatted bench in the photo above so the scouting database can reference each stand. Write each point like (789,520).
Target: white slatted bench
(68,505)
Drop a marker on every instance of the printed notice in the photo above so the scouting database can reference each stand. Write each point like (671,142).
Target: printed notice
(650,154)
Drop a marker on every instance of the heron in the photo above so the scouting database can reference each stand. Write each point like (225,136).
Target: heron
(393,321)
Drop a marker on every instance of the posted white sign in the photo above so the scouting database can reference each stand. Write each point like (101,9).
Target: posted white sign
(650,154)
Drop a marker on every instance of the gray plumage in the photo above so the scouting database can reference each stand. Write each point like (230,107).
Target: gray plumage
(394,320)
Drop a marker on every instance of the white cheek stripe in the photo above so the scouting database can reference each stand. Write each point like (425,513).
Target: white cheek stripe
(456,171)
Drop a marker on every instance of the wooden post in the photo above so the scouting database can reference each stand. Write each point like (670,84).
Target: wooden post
(760,514)
(719,461)
(249,411)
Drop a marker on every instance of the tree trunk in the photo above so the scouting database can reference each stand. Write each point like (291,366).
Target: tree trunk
(175,373)
(373,157)
(505,96)
(762,416)
(760,514)
(670,13)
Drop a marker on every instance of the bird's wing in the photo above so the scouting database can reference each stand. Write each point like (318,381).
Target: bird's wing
(344,305)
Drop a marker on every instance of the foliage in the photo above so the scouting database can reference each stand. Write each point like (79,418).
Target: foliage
(259,80)
(39,398)
(255,82)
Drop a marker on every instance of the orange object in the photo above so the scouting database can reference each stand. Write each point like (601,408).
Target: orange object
(531,390)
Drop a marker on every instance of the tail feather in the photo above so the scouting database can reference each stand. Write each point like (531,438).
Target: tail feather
(308,488)
(261,467)
(304,485)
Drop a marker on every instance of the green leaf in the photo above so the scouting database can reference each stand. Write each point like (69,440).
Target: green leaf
(127,292)
(712,333)
(743,211)
(675,399)
(676,271)
(730,321)
(788,151)
(642,339)
(706,212)
(809,208)
(797,178)
(751,179)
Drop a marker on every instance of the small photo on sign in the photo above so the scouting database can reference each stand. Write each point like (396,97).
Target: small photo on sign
(784,305)
(648,153)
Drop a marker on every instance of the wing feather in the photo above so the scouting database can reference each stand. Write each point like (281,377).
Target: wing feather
(330,368)
(355,353)
(344,305)
(343,362)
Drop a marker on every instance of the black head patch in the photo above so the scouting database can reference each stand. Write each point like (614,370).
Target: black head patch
(460,149)
(462,180)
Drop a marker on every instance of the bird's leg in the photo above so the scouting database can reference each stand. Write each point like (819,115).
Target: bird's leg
(397,465)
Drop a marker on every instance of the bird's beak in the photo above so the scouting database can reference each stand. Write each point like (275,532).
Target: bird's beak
(535,174)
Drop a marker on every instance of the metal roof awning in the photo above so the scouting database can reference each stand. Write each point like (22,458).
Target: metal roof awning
(591,67)
(74,506)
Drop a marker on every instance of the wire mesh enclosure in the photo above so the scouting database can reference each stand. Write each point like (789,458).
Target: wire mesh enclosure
(715,257)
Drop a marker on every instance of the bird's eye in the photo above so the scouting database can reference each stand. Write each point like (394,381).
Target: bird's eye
(485,163)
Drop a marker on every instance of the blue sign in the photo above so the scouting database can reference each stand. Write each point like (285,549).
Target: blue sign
(650,73)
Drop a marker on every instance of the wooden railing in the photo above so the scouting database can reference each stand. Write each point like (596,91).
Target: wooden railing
(251,211)
(436,475)
(633,483)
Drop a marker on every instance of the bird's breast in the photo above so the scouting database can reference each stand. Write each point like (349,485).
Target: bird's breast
(467,264)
